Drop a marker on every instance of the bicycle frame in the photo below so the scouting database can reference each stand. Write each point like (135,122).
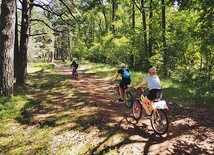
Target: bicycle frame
(127,95)
(154,105)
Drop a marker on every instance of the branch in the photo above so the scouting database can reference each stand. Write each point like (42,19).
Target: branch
(38,20)
(44,7)
(38,34)
(68,9)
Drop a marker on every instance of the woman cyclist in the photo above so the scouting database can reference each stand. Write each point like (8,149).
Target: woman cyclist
(154,85)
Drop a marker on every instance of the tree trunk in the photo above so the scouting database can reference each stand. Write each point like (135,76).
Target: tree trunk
(7,39)
(16,48)
(165,57)
(114,17)
(24,39)
(146,55)
(150,30)
(133,40)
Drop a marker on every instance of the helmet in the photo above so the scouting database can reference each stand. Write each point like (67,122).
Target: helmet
(122,65)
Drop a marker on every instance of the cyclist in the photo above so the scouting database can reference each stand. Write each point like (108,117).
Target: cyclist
(75,65)
(154,85)
(126,80)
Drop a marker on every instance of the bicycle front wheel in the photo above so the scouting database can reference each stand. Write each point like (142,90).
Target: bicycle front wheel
(137,109)
(128,98)
(159,122)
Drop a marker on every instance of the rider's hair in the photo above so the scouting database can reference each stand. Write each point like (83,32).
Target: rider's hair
(152,71)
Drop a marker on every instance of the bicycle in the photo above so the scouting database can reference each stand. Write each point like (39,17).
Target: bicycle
(75,74)
(127,95)
(159,109)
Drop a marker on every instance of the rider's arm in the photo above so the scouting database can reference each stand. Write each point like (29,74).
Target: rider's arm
(140,84)
(116,76)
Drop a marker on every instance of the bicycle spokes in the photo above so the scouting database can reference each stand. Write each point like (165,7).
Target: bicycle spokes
(128,99)
(137,109)
(159,122)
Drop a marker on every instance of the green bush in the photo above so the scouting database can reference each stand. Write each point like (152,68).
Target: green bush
(204,95)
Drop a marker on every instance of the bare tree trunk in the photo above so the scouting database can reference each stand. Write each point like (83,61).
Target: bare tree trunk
(165,57)
(144,34)
(114,17)
(25,33)
(16,48)
(7,39)
(150,30)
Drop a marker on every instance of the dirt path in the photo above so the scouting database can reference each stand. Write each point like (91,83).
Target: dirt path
(191,130)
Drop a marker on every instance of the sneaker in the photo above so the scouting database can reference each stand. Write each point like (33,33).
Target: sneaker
(120,100)
(148,116)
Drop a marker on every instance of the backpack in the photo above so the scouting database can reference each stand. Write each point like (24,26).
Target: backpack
(126,74)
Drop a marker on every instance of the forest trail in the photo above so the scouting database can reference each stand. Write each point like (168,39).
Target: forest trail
(191,130)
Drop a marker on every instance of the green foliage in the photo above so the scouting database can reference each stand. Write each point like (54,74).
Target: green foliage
(199,83)
(79,50)
(204,95)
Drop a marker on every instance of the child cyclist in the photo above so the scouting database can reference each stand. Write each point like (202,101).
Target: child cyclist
(75,65)
(153,82)
(125,79)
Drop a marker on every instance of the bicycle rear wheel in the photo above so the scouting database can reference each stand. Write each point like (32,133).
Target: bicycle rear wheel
(75,75)
(137,109)
(128,98)
(159,122)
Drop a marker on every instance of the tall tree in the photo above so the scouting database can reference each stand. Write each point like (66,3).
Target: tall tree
(165,54)
(27,7)
(7,39)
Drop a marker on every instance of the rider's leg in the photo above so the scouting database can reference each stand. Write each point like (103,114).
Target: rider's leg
(144,102)
(121,92)
(74,70)
(121,86)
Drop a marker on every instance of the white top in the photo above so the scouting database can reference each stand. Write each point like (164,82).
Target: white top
(153,82)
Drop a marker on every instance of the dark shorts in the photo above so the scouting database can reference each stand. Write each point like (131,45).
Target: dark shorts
(154,94)
(125,82)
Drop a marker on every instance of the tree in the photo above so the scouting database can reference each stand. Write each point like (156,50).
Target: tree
(7,39)
(24,38)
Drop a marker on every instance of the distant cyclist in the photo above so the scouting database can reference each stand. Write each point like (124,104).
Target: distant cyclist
(74,65)
(126,80)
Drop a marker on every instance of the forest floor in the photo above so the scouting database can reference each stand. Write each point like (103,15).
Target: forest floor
(63,116)
(191,130)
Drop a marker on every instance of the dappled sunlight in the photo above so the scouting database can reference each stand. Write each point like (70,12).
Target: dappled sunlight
(160,148)
(67,116)
(112,140)
(185,121)
(138,148)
